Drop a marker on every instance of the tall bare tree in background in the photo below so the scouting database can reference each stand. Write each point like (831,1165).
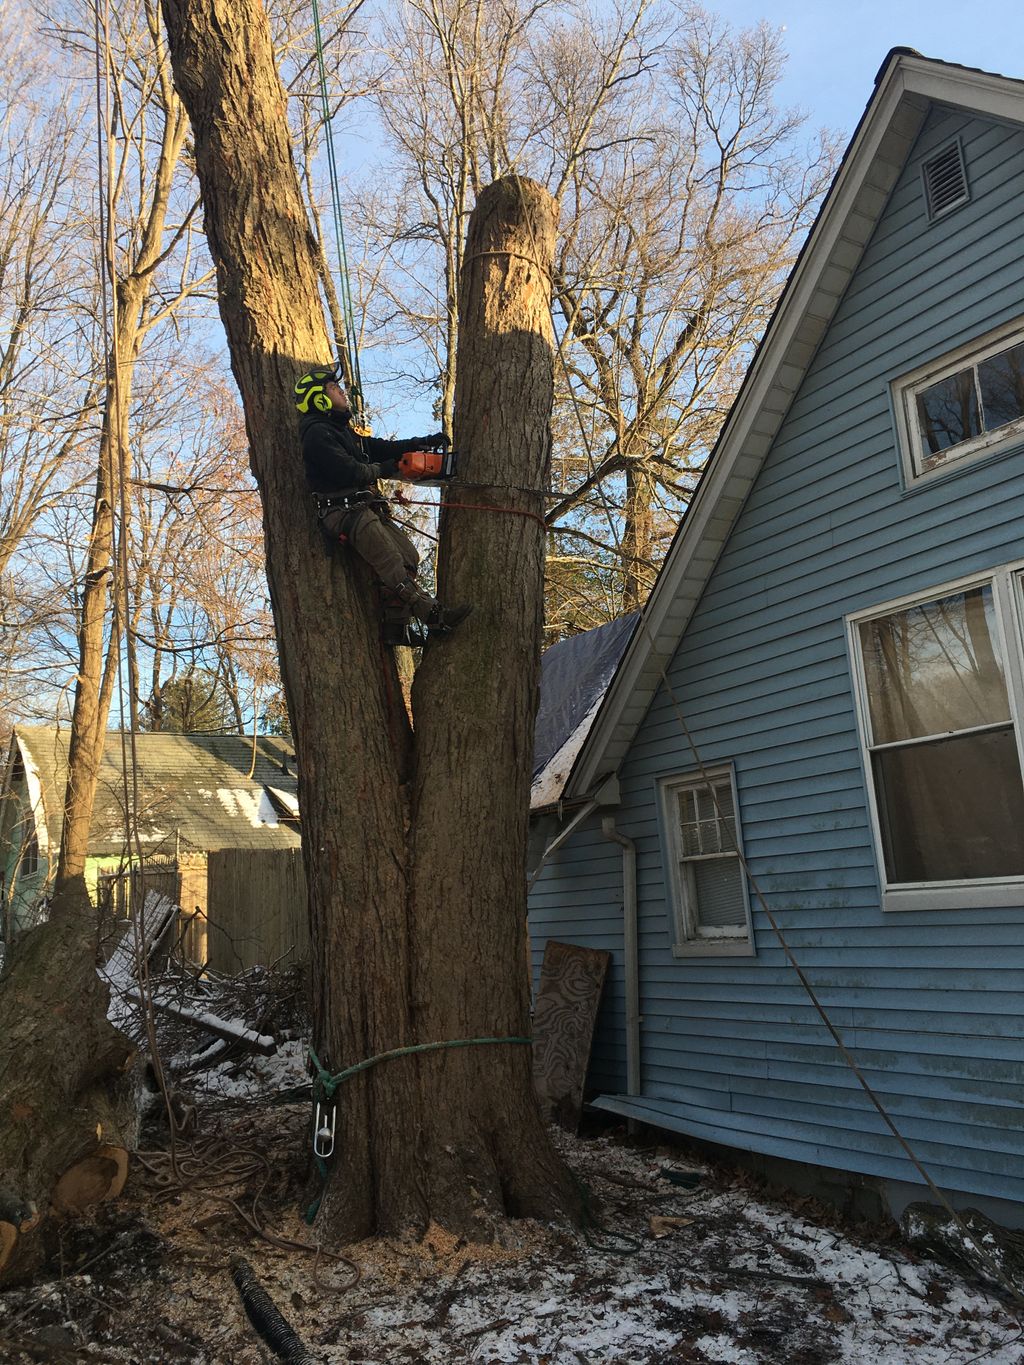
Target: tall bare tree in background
(684,193)
(46,409)
(147,283)
(197,581)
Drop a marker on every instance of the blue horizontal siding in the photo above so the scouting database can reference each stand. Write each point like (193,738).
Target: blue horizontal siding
(577,898)
(928,1001)
(824,1146)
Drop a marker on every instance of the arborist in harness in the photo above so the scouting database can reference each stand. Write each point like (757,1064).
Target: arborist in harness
(342,469)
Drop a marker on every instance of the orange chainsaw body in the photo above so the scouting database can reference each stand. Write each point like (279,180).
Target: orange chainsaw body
(427,466)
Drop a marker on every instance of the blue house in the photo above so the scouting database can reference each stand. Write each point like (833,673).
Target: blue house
(819,718)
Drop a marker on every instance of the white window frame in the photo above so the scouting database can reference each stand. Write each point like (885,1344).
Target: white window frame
(920,466)
(1007,583)
(685,941)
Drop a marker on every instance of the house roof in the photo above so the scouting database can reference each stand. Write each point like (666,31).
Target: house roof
(573,677)
(194,791)
(906,86)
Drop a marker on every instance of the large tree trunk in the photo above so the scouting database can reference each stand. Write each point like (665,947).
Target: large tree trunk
(414,846)
(637,548)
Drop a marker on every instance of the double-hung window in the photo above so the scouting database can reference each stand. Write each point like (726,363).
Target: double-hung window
(707,885)
(940,701)
(965,405)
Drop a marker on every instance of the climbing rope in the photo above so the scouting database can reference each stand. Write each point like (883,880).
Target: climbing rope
(328,1085)
(354,376)
(473,507)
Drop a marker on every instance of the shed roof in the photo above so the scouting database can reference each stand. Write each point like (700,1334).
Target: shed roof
(194,791)
(906,87)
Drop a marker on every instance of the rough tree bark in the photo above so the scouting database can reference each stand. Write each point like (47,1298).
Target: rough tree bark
(414,844)
(64,1126)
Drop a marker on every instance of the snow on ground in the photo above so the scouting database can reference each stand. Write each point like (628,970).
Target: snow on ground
(743,1281)
(732,1277)
(702,1267)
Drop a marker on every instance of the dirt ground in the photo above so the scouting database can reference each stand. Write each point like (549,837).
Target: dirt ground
(679,1261)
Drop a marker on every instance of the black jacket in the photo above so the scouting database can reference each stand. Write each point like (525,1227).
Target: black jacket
(337,460)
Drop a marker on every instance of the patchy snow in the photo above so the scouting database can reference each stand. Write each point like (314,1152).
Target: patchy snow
(282,1070)
(662,1273)
(288,800)
(231,1029)
(743,1281)
(547,785)
(239,802)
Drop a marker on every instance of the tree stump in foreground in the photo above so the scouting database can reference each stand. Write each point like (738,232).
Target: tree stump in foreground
(67,1111)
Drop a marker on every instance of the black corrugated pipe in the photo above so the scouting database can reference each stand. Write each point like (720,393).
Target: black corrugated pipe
(268,1322)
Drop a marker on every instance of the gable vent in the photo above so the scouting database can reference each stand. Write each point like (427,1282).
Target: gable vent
(945,180)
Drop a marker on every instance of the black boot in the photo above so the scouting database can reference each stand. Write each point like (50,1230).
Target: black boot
(444,620)
(438,620)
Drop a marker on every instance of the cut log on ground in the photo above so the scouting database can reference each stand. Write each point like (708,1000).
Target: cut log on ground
(66,1098)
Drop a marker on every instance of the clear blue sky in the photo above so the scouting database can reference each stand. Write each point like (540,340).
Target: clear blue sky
(836,46)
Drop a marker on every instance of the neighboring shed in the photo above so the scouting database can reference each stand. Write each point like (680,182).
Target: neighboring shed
(191,795)
(840,626)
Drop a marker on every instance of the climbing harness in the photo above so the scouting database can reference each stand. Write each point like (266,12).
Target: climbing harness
(325,1116)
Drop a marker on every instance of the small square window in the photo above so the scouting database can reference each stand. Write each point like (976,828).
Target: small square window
(708,886)
(967,406)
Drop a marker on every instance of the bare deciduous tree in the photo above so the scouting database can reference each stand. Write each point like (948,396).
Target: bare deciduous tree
(684,192)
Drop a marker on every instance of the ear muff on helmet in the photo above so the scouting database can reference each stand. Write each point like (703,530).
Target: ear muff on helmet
(309,389)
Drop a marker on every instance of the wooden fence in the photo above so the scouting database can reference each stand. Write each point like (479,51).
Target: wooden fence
(255,910)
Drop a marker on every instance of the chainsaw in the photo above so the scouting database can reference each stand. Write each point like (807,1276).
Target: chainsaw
(431,467)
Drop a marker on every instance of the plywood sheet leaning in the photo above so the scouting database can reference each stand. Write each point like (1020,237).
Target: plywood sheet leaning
(571,980)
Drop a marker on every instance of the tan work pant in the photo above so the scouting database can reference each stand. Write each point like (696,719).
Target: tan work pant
(375,537)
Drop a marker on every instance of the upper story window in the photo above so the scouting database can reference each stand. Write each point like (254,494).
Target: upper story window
(938,682)
(710,912)
(968,404)
(29,852)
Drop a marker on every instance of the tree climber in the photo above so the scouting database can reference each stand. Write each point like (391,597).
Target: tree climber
(342,469)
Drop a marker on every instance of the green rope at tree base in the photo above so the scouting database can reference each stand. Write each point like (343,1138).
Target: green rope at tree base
(329,1084)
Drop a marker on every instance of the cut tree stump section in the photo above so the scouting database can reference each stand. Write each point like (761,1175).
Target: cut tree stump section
(67,1105)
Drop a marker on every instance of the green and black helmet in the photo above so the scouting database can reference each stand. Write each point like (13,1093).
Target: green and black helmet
(309,389)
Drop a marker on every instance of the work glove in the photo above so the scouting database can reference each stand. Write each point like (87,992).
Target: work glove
(439,441)
(386,469)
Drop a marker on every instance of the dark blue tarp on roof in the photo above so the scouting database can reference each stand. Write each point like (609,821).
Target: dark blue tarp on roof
(573,674)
